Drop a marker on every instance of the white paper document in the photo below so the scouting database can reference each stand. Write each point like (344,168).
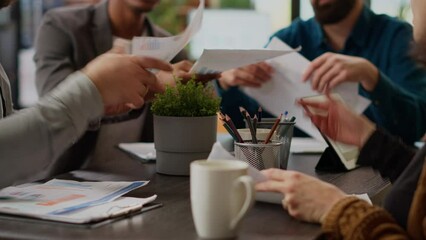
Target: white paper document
(279,94)
(71,201)
(219,60)
(307,145)
(166,48)
(143,151)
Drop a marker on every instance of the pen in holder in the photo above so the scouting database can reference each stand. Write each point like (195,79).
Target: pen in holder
(284,134)
(259,155)
(261,134)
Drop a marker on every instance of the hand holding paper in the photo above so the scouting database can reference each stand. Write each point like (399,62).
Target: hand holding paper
(253,75)
(167,48)
(331,69)
(287,86)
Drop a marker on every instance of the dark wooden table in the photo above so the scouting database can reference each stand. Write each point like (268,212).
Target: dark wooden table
(174,219)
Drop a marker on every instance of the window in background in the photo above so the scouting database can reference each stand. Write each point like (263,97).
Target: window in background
(228,26)
(396,8)
(306,11)
(279,12)
(230,29)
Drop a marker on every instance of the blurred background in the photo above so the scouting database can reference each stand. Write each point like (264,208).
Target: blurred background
(227,24)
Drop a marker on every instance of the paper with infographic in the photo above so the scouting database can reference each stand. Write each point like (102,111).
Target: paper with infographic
(71,201)
(166,48)
(280,94)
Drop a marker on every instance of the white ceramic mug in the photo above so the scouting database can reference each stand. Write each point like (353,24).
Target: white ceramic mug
(221,194)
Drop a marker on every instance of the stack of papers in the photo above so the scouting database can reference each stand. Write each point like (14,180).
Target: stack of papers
(142,151)
(307,145)
(72,201)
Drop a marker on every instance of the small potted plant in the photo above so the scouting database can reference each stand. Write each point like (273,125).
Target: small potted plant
(185,125)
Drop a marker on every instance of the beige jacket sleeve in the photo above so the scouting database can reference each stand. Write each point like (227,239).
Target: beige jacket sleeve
(31,139)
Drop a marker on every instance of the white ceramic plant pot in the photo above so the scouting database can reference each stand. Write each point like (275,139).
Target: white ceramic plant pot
(181,140)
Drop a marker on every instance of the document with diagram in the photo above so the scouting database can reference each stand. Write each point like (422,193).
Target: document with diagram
(71,201)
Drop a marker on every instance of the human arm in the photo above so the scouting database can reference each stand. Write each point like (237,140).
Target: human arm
(33,138)
(342,217)
(352,218)
(398,98)
(378,149)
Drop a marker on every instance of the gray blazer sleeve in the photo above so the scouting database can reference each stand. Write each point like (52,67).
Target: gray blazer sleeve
(52,57)
(31,139)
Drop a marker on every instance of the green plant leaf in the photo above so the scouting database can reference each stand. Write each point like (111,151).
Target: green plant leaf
(191,99)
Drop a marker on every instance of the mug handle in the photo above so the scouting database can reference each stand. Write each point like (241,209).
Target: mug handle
(247,181)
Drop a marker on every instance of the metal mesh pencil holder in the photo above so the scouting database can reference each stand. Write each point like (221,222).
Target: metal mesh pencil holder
(284,134)
(260,156)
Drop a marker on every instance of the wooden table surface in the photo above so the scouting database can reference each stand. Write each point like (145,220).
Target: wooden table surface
(174,220)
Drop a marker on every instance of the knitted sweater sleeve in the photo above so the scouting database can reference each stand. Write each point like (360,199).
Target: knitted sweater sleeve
(352,218)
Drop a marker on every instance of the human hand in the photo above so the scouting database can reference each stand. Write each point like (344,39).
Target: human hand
(253,75)
(306,198)
(331,69)
(338,122)
(181,70)
(124,80)
(122,46)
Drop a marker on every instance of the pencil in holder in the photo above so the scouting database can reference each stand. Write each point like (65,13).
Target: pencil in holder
(260,156)
(284,134)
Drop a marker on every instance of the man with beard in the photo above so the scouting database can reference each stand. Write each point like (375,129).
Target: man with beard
(71,37)
(348,217)
(31,139)
(347,42)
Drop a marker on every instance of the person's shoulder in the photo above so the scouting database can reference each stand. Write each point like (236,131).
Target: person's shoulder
(391,24)
(298,26)
(297,31)
(70,16)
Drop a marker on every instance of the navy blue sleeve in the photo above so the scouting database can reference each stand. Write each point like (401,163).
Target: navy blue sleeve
(400,95)
(386,153)
(398,201)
